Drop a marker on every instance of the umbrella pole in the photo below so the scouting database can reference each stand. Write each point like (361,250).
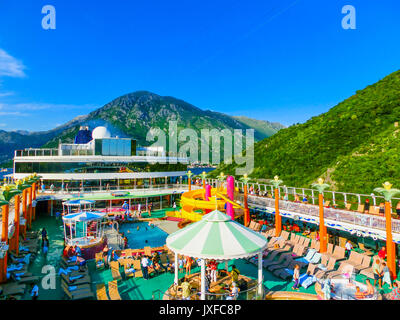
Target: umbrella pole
(176,269)
(203,279)
(260,274)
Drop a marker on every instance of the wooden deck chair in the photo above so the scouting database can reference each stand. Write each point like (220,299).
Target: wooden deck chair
(339,253)
(113,290)
(294,239)
(313,235)
(317,245)
(75,280)
(343,268)
(376,211)
(365,264)
(101,292)
(99,260)
(301,240)
(329,268)
(80,292)
(257,227)
(368,272)
(252,224)
(114,265)
(138,269)
(286,261)
(285,235)
(306,242)
(12,289)
(324,260)
(348,206)
(360,208)
(147,251)
(313,243)
(354,258)
(329,249)
(326,204)
(366,250)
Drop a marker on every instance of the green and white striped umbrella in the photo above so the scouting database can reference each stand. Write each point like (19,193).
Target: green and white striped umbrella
(218,237)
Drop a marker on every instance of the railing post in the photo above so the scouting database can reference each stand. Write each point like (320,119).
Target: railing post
(345,199)
(312,195)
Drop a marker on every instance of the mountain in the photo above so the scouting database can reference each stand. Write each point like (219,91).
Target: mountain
(133,115)
(354,145)
(265,127)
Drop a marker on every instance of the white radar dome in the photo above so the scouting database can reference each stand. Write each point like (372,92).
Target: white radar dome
(100,133)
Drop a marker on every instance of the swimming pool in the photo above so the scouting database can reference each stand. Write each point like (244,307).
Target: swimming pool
(137,238)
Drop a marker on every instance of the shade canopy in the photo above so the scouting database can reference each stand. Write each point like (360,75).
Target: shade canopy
(216,236)
(78,202)
(84,216)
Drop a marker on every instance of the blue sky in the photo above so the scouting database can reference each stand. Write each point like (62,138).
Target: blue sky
(278,60)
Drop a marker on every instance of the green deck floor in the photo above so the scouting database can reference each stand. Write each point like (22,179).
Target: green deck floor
(136,288)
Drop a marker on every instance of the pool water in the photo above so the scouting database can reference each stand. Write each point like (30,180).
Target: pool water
(137,238)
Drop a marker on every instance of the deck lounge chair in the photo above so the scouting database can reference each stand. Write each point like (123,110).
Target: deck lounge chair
(77,292)
(355,259)
(13,289)
(367,251)
(307,258)
(327,203)
(113,290)
(339,253)
(147,251)
(316,258)
(284,264)
(114,265)
(285,272)
(343,268)
(348,206)
(272,261)
(304,278)
(138,269)
(101,292)
(25,278)
(329,267)
(252,224)
(258,227)
(301,241)
(306,242)
(298,251)
(368,272)
(366,262)
(78,279)
(285,235)
(360,208)
(294,239)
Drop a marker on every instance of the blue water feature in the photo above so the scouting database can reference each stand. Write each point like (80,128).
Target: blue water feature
(137,237)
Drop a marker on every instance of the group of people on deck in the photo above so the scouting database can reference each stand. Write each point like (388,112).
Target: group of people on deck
(133,211)
(212,276)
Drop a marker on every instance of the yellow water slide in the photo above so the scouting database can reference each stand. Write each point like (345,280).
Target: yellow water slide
(194,206)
